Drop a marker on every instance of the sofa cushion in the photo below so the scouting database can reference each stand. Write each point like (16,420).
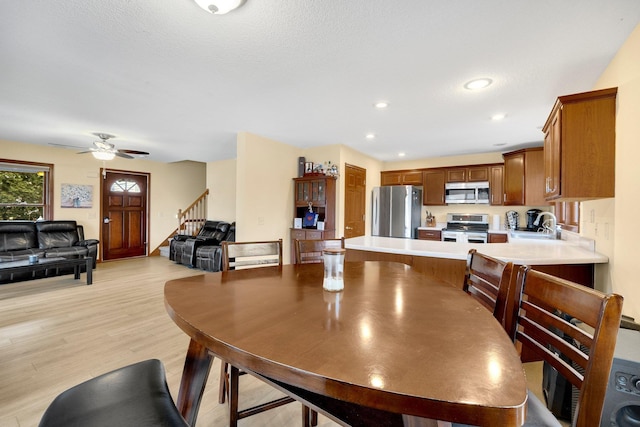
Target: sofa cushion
(67,252)
(57,234)
(17,235)
(20,254)
(214,233)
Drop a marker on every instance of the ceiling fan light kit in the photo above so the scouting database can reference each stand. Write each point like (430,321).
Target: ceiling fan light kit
(219,7)
(103,155)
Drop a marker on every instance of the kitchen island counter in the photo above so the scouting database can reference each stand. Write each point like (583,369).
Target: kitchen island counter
(518,251)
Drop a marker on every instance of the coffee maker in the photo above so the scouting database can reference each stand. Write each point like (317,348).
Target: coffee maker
(532,214)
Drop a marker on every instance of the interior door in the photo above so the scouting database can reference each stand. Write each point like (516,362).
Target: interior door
(124,215)
(355,179)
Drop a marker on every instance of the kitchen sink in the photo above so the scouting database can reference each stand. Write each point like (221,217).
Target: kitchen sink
(521,234)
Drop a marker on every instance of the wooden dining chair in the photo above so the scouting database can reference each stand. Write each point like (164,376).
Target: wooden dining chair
(572,328)
(135,395)
(310,251)
(487,279)
(236,255)
(240,255)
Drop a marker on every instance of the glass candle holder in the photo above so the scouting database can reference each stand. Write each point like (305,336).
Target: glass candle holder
(333,269)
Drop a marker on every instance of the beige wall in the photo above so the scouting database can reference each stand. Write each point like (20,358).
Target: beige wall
(173,185)
(613,222)
(221,182)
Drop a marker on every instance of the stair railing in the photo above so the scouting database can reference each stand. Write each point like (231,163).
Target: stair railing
(191,220)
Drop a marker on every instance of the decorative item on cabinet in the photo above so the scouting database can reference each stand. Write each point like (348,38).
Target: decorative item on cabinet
(523,177)
(579,147)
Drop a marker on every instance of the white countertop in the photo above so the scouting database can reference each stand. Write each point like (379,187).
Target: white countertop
(518,251)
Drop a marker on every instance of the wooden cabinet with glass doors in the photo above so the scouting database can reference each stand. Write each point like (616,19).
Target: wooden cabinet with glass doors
(319,194)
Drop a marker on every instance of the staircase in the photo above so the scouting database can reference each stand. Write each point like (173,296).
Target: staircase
(190,221)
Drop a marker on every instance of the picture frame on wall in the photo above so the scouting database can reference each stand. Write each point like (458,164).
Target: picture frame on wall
(308,167)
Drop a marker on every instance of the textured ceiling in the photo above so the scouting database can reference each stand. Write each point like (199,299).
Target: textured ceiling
(169,78)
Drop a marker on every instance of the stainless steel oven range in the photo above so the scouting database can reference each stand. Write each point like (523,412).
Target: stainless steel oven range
(472,228)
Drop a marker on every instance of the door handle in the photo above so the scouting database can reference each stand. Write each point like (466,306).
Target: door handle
(106,220)
(348,228)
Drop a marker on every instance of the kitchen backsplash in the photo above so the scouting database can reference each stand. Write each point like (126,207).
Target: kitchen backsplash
(440,212)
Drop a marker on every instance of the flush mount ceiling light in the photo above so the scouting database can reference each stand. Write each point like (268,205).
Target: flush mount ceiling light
(478,83)
(498,117)
(370,136)
(219,7)
(381,105)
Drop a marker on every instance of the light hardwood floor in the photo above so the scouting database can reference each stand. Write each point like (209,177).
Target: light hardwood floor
(58,332)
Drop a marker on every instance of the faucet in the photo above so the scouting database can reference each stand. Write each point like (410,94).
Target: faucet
(554,228)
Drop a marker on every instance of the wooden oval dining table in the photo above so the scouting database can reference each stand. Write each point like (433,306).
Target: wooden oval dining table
(393,339)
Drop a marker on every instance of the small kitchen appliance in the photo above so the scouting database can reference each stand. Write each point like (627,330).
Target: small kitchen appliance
(471,228)
(532,214)
(512,220)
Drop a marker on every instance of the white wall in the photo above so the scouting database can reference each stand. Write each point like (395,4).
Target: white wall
(613,222)
(221,182)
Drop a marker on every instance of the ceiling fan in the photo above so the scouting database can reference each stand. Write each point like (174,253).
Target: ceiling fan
(104,150)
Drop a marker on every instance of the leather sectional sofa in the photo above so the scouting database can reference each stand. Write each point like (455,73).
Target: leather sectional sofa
(202,251)
(19,239)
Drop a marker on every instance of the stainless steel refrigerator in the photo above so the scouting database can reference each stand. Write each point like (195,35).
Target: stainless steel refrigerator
(396,211)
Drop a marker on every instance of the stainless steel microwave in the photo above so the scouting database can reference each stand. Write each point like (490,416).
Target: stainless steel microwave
(467,192)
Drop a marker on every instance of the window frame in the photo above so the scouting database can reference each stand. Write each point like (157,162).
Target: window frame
(47,168)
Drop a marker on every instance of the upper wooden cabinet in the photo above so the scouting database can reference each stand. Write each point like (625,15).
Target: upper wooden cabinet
(409,177)
(579,147)
(468,174)
(320,192)
(523,177)
(496,187)
(433,187)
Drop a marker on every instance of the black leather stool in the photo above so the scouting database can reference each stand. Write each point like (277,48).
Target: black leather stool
(136,395)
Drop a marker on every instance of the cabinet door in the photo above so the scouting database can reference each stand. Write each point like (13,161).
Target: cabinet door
(552,156)
(412,178)
(475,174)
(497,238)
(495,185)
(514,179)
(457,175)
(429,235)
(390,178)
(433,192)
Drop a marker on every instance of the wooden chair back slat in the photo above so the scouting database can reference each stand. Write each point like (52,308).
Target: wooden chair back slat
(310,251)
(251,254)
(543,307)
(487,279)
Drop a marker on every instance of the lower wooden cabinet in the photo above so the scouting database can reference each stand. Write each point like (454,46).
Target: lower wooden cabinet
(429,235)
(497,238)
(308,234)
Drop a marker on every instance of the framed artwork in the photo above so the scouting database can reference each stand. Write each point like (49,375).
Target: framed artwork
(76,196)
(308,167)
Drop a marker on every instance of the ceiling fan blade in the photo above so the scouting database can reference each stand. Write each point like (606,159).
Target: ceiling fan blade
(85,152)
(123,155)
(67,146)
(134,152)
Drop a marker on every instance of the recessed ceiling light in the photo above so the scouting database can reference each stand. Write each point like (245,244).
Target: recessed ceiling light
(381,105)
(478,83)
(499,116)
(401,154)
(370,136)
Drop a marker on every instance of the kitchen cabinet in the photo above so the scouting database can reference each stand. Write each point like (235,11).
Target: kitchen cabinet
(497,238)
(568,215)
(579,147)
(408,177)
(496,189)
(429,235)
(523,177)
(433,187)
(468,174)
(320,193)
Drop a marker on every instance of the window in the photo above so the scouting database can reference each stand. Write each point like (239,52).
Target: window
(125,185)
(26,190)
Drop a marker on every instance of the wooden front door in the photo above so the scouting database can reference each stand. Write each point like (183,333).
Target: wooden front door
(355,179)
(124,215)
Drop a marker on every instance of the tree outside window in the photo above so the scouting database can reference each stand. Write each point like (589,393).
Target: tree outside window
(25,190)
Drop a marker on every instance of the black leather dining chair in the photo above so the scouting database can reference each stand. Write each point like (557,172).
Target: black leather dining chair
(133,396)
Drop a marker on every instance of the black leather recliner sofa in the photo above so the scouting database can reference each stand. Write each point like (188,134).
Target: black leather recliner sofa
(19,239)
(183,248)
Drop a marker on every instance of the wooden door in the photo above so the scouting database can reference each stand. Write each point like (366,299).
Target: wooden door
(124,215)
(355,179)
